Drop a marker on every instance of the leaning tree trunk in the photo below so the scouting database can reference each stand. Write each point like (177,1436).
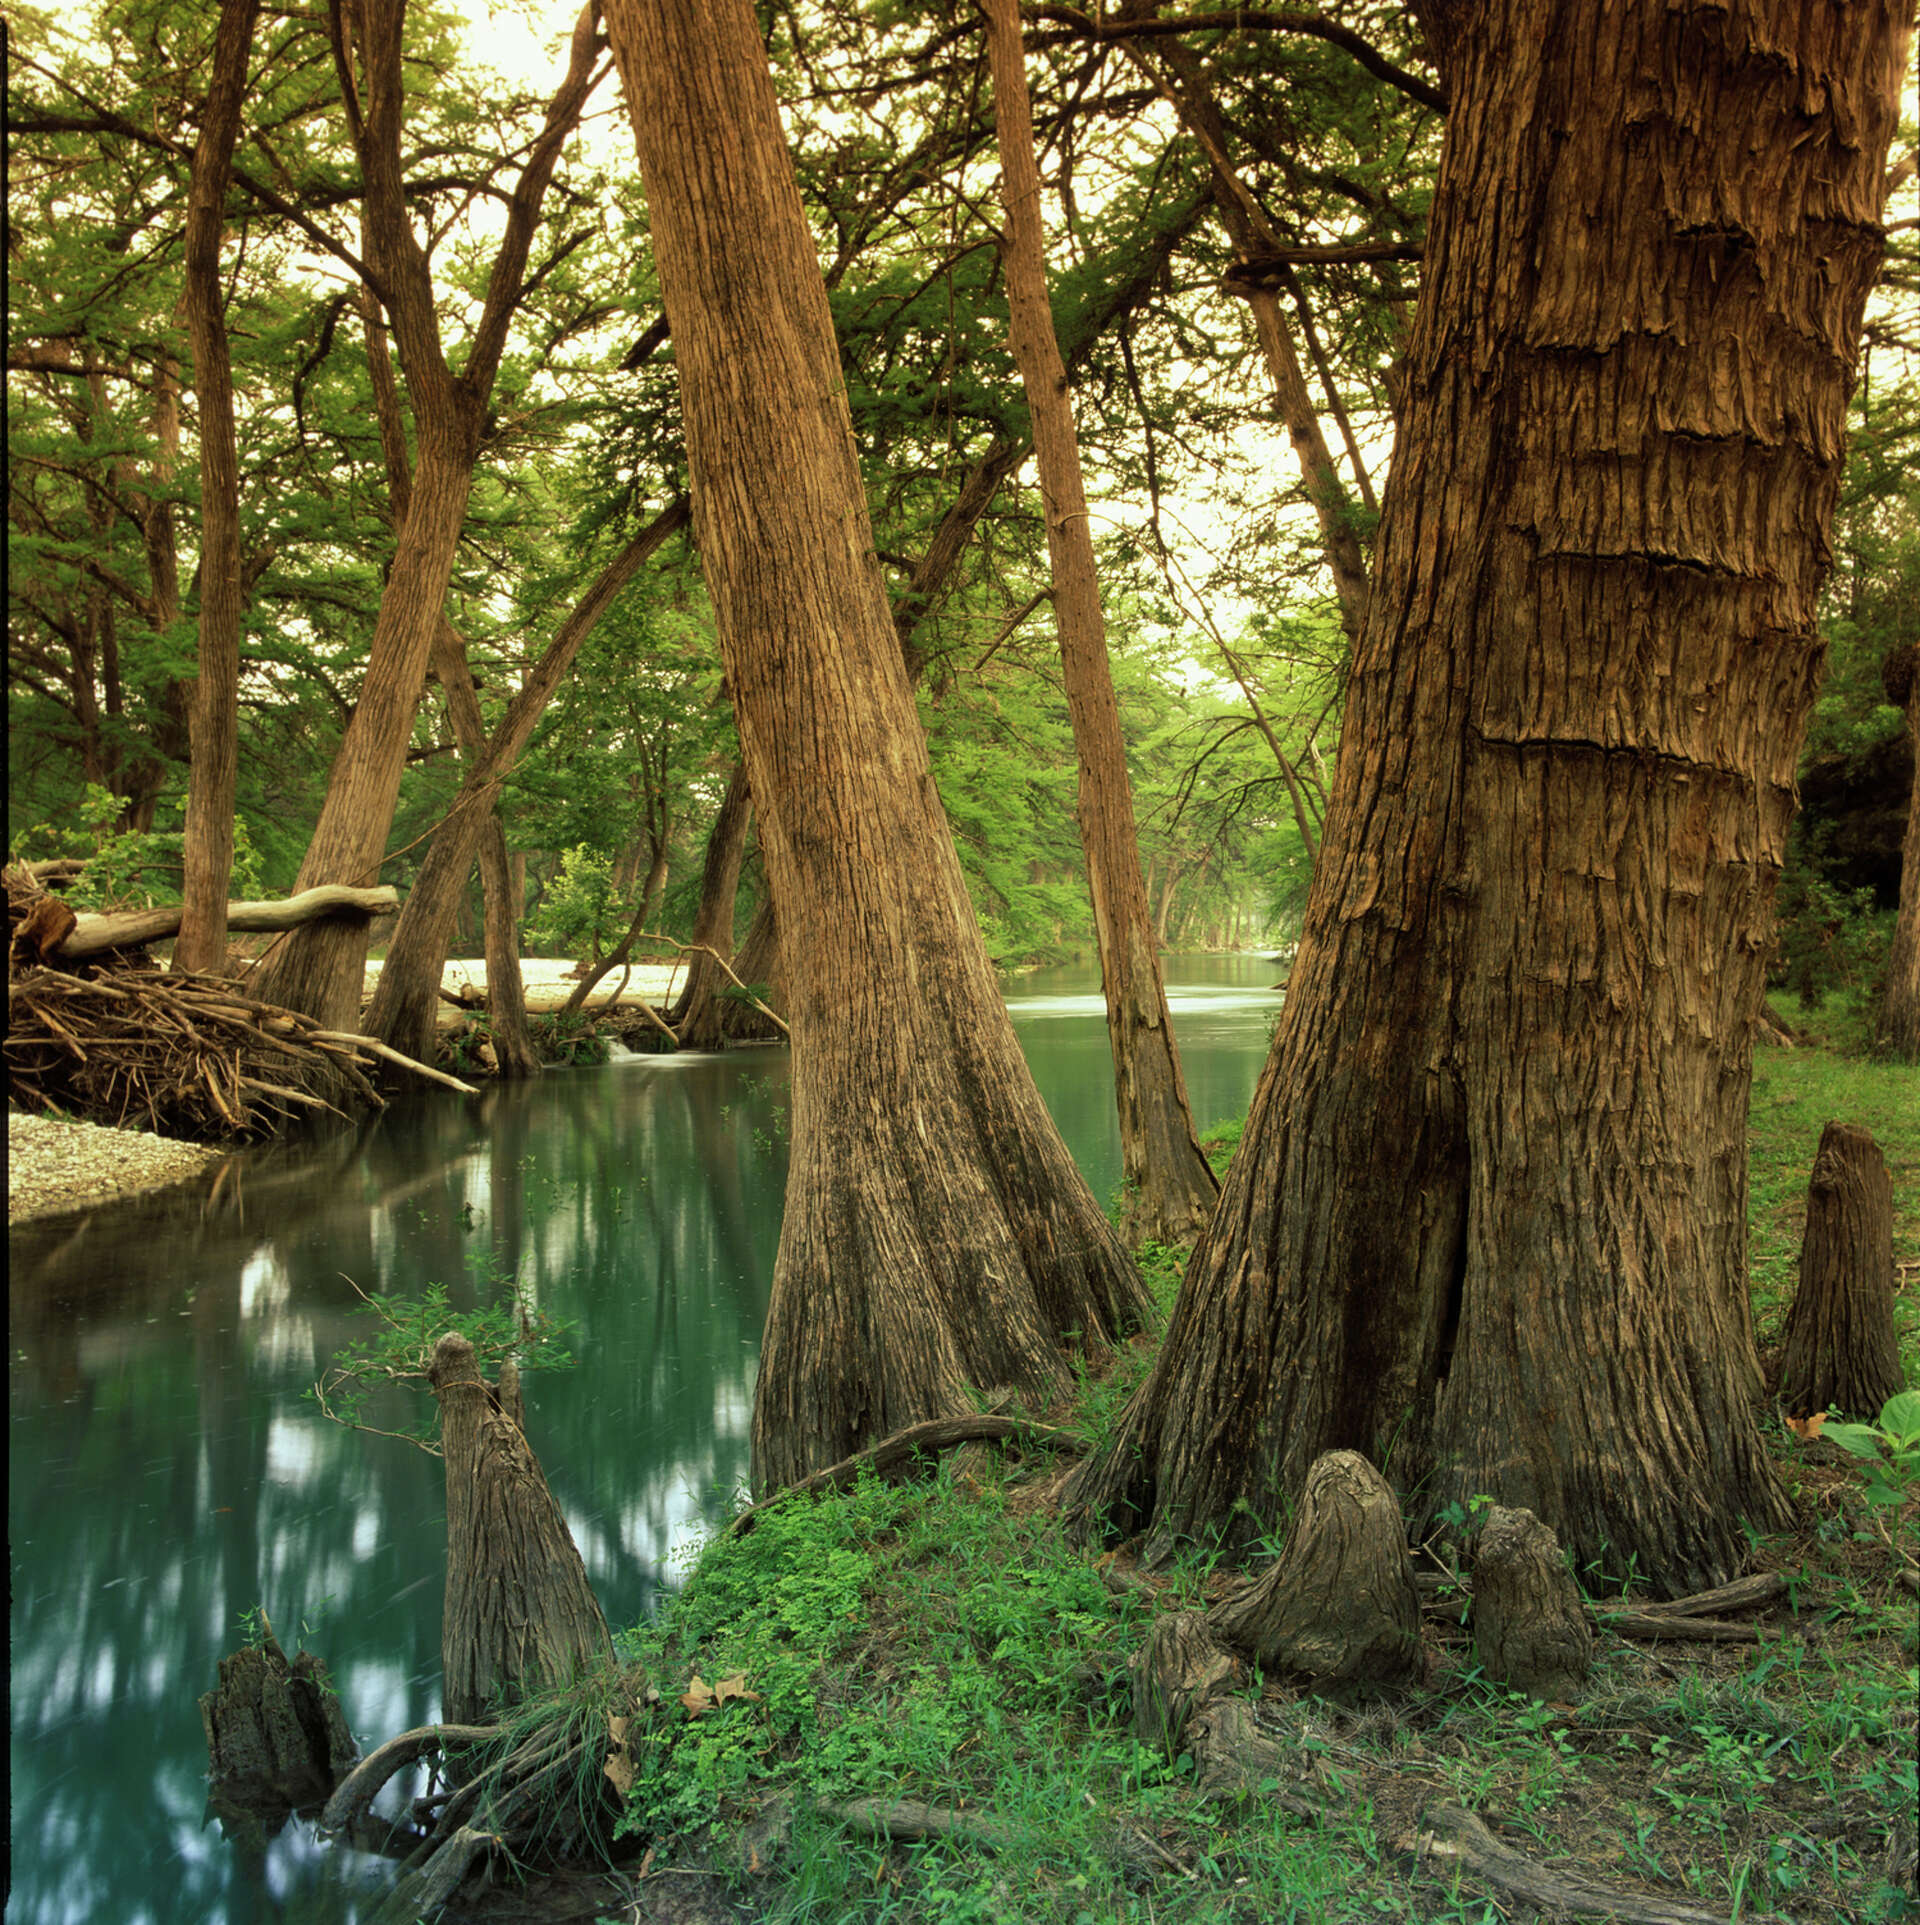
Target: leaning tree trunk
(500,933)
(1185,86)
(406,1001)
(1170,1190)
(1898,1026)
(621,955)
(696,1017)
(936,1233)
(320,969)
(1488,1215)
(1840,1344)
(202,944)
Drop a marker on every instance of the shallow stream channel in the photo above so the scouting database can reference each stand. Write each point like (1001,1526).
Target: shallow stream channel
(169,1476)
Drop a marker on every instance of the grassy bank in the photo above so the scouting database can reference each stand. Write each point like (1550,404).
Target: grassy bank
(852,1663)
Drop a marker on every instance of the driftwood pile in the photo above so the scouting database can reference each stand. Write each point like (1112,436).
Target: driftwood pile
(101,1033)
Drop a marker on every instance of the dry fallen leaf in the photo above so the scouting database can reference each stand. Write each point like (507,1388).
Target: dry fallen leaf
(619,1768)
(698,1696)
(1807,1429)
(734,1687)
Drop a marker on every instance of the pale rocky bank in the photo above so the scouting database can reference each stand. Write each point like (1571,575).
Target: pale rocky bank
(55,1165)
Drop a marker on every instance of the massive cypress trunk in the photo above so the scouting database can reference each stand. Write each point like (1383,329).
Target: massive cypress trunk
(1487,1223)
(936,1233)
(202,942)
(1170,1191)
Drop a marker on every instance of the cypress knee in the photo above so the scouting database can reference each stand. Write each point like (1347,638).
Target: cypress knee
(1339,1605)
(1840,1346)
(1529,1625)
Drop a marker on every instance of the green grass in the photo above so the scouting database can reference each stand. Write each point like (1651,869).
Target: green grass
(940,1642)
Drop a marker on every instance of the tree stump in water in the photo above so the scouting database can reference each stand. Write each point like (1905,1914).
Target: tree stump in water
(1339,1605)
(1174,1674)
(1530,1626)
(520,1614)
(277,1740)
(1840,1346)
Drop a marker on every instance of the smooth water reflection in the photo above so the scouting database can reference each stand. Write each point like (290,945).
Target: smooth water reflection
(167,1474)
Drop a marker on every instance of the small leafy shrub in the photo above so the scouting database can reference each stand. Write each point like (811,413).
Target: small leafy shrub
(582,913)
(1889,1447)
(127,870)
(567,1041)
(1829,939)
(401,1348)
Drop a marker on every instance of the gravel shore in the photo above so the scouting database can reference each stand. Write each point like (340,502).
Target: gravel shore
(54,1165)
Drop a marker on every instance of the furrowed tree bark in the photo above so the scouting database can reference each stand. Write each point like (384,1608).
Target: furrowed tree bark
(404,1004)
(1840,1345)
(759,958)
(319,971)
(1897,1030)
(520,1615)
(936,1233)
(1490,1205)
(215,726)
(1169,1189)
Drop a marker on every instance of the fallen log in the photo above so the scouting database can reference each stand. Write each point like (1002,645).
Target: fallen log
(1651,1627)
(129,929)
(1743,1594)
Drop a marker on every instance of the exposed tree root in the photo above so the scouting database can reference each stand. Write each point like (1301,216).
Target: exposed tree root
(896,1454)
(1447,1832)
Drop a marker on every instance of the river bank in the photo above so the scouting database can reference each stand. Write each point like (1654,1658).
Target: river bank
(55,1164)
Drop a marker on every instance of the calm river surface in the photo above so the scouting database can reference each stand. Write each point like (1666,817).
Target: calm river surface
(166,1474)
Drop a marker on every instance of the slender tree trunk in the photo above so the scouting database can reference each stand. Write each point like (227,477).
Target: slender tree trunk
(404,1004)
(1170,1191)
(1250,233)
(696,1018)
(319,970)
(1487,1223)
(506,992)
(620,955)
(936,1233)
(1898,1028)
(202,942)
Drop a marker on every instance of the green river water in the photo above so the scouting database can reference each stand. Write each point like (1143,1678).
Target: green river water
(167,1476)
